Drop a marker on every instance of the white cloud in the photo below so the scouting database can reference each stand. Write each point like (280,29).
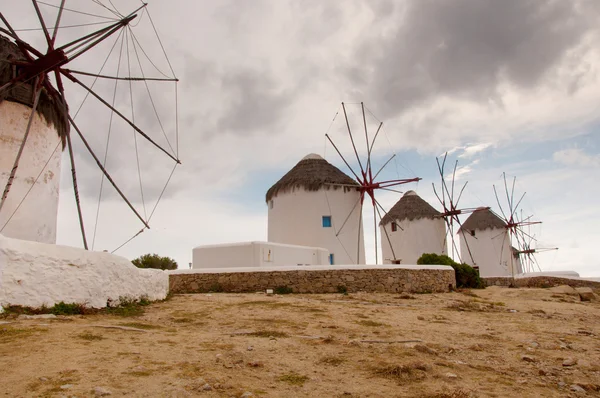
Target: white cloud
(576,157)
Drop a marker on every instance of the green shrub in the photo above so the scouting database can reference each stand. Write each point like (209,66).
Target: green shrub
(63,308)
(154,261)
(466,276)
(342,289)
(283,290)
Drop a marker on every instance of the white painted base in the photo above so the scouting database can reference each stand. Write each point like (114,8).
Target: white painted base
(34,274)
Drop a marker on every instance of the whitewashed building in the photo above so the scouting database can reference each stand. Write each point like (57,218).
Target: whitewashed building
(485,243)
(257,254)
(31,208)
(317,205)
(413,227)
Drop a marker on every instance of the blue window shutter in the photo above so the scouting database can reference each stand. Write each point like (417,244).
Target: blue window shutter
(331,258)
(326,221)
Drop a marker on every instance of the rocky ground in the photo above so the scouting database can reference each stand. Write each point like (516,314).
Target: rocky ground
(496,342)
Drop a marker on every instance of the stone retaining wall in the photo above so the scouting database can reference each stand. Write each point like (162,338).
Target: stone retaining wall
(317,281)
(540,281)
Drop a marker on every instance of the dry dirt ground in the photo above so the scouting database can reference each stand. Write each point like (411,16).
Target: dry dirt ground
(496,342)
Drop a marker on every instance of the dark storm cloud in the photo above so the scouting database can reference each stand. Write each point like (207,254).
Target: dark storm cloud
(255,102)
(464,48)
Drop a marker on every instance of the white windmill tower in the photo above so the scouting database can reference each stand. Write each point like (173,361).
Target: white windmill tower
(314,204)
(414,227)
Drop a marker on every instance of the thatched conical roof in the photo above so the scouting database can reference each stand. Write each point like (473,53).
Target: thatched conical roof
(312,173)
(22,93)
(410,207)
(482,219)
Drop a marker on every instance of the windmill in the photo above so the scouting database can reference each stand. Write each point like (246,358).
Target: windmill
(520,241)
(365,176)
(451,210)
(55,73)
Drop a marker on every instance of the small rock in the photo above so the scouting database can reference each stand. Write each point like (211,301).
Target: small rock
(43,379)
(425,349)
(41,316)
(564,289)
(586,294)
(4,322)
(528,358)
(561,384)
(512,311)
(421,318)
(576,388)
(247,394)
(534,344)
(250,348)
(101,392)
(206,387)
(569,362)
(256,364)
(451,375)
(272,338)
(66,386)
(542,372)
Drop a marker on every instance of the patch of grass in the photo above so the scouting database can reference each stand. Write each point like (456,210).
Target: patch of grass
(89,336)
(63,308)
(293,378)
(458,393)
(371,323)
(402,373)
(467,292)
(342,290)
(283,290)
(139,325)
(332,360)
(128,307)
(11,334)
(268,334)
(406,296)
(265,303)
(182,320)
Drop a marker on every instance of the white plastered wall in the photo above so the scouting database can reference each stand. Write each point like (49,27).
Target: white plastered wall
(34,274)
(257,254)
(36,218)
(295,218)
(412,238)
(491,252)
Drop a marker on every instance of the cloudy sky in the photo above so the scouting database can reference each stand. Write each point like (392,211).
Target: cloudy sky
(507,86)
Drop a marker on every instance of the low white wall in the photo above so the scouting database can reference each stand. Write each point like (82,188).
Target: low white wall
(257,254)
(34,274)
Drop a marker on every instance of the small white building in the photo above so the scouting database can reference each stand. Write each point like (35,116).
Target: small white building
(413,227)
(485,243)
(317,205)
(257,254)
(35,217)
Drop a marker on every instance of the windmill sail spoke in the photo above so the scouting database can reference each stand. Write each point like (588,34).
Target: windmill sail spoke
(461,192)
(106,174)
(359,229)
(343,158)
(385,164)
(75,80)
(348,216)
(499,205)
(375,230)
(367,171)
(57,24)
(42,23)
(352,140)
(130,78)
